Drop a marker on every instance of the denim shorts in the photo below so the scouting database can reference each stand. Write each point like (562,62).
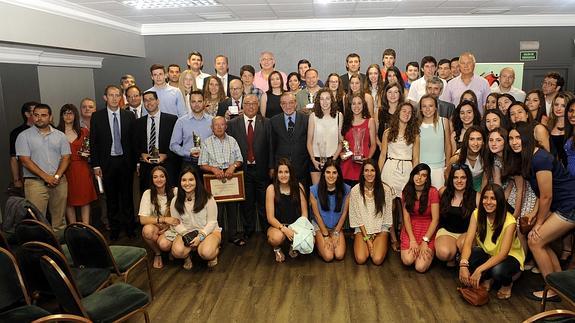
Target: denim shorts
(568,216)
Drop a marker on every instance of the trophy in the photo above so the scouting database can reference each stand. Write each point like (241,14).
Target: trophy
(154,156)
(358,134)
(322,155)
(197,143)
(346,153)
(84,150)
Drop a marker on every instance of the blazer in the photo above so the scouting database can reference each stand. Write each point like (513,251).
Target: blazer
(345,80)
(445,109)
(140,133)
(101,138)
(292,147)
(223,107)
(262,142)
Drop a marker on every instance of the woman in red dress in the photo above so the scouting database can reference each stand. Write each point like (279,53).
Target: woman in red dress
(81,189)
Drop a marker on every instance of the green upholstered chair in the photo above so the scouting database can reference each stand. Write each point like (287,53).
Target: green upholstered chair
(14,300)
(562,283)
(88,280)
(89,248)
(111,304)
(34,230)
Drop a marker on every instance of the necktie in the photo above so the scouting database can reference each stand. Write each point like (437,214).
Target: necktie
(251,155)
(135,112)
(117,136)
(238,105)
(291,126)
(152,144)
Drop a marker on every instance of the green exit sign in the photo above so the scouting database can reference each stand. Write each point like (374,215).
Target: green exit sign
(528,55)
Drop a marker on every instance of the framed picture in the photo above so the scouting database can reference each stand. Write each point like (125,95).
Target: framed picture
(226,190)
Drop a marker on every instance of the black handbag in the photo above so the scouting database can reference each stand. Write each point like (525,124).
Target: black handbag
(189,237)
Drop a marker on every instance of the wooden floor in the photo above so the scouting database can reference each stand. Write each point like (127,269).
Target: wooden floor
(248,286)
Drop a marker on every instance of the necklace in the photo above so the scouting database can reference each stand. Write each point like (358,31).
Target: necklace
(369,189)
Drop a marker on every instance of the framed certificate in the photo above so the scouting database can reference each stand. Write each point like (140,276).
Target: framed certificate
(227,190)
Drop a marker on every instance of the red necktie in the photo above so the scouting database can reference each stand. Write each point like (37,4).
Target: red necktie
(251,155)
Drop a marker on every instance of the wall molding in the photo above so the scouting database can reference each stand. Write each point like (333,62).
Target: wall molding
(43,58)
(284,25)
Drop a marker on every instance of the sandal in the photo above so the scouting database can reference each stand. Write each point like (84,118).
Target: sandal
(212,263)
(486,284)
(292,253)
(280,257)
(504,292)
(188,263)
(239,242)
(158,264)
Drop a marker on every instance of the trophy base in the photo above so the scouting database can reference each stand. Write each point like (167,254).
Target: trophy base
(84,154)
(346,155)
(358,159)
(195,150)
(154,160)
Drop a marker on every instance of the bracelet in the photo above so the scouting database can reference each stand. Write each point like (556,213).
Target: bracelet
(464,262)
(336,234)
(367,237)
(325,235)
(281,227)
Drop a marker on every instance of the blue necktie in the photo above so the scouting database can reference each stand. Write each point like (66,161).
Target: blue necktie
(117,137)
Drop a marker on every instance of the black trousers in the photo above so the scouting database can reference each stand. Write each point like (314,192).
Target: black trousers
(254,207)
(228,219)
(501,274)
(118,177)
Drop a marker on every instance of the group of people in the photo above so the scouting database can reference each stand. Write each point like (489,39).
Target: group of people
(432,164)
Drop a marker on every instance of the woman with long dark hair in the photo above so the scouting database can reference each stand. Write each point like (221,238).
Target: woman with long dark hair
(519,112)
(498,255)
(535,102)
(154,214)
(285,203)
(329,205)
(471,154)
(420,219)
(355,87)
(556,191)
(197,214)
(271,99)
(214,93)
(336,89)
(464,116)
(570,137)
(81,191)
(370,207)
(457,202)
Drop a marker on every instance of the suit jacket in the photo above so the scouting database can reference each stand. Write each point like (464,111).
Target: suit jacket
(262,142)
(292,147)
(445,109)
(223,107)
(140,133)
(230,78)
(101,138)
(345,80)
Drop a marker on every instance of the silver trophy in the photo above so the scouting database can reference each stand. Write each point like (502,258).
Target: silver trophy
(358,134)
(321,147)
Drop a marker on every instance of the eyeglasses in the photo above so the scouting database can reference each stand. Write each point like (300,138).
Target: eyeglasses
(549,83)
(459,166)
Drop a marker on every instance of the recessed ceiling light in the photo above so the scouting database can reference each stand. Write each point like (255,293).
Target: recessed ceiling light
(164,4)
(489,11)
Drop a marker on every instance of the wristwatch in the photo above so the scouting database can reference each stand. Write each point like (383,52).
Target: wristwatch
(426,239)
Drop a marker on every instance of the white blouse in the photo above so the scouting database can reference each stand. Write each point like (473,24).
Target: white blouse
(361,213)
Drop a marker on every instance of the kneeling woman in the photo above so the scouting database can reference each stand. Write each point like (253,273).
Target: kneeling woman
(155,214)
(197,212)
(329,204)
(498,255)
(285,203)
(420,219)
(370,207)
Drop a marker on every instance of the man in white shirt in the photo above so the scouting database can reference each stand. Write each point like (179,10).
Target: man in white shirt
(195,64)
(418,87)
(506,80)
(551,85)
(222,68)
(171,98)
(174,75)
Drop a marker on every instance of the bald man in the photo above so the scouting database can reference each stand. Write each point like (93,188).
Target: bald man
(231,107)
(505,85)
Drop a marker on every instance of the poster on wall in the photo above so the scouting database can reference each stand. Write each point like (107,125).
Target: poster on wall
(490,71)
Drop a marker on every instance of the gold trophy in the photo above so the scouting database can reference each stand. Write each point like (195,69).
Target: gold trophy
(197,143)
(154,156)
(84,150)
(358,134)
(346,153)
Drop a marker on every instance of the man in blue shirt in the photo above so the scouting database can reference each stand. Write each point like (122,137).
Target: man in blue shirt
(171,98)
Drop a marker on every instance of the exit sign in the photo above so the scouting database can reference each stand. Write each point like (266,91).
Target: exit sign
(528,55)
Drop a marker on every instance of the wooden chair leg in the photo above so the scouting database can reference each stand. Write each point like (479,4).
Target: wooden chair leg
(147,263)
(146,316)
(544,298)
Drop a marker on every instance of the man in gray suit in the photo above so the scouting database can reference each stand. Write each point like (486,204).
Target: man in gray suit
(253,133)
(434,87)
(289,135)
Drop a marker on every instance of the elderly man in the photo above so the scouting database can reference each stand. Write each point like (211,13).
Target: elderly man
(434,88)
(232,106)
(221,156)
(506,80)
(253,133)
(268,64)
(467,80)
(45,154)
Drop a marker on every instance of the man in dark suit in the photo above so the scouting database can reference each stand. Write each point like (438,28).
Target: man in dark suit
(352,66)
(153,132)
(221,66)
(113,160)
(289,137)
(253,133)
(231,107)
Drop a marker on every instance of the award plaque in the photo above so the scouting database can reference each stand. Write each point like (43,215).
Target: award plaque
(226,190)
(84,150)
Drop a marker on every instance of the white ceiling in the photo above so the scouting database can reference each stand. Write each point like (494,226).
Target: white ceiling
(306,9)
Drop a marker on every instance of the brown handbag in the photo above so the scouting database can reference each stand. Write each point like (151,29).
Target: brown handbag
(474,296)
(525,226)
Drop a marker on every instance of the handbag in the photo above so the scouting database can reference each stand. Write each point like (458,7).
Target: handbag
(474,296)
(524,225)
(189,237)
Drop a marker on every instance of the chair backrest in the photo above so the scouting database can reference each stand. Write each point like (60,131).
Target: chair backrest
(88,247)
(34,230)
(3,242)
(12,288)
(66,294)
